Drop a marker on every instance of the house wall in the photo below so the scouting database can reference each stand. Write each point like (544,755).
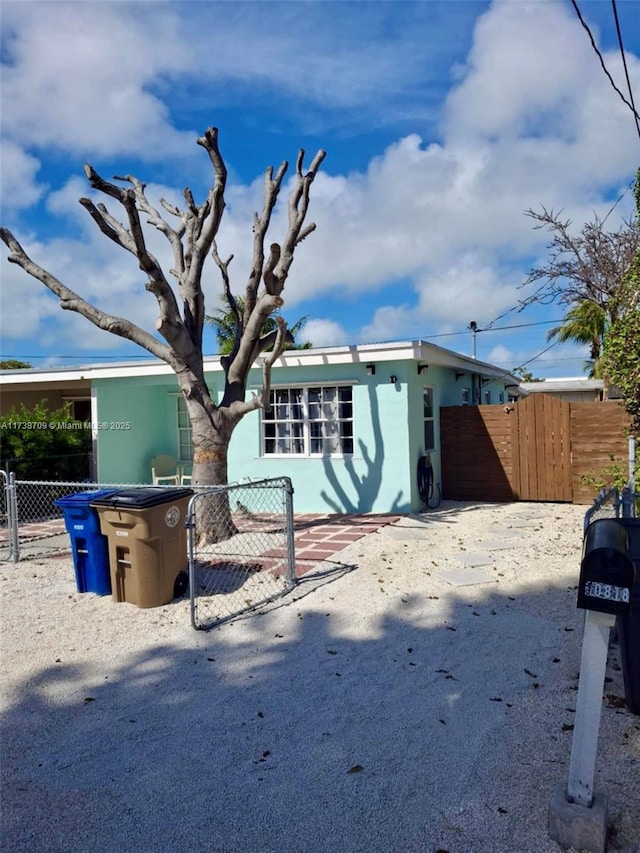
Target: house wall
(375,479)
(388,434)
(138,418)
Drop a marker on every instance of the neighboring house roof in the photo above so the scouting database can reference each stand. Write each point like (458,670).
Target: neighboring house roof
(420,351)
(559,386)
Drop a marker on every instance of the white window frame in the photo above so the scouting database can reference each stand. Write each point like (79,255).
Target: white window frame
(487,396)
(184,434)
(428,418)
(293,416)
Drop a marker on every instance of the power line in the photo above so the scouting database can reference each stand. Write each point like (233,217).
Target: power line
(602,63)
(525,363)
(624,63)
(6,357)
(619,199)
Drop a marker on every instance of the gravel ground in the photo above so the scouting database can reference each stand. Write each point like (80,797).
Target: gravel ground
(417,693)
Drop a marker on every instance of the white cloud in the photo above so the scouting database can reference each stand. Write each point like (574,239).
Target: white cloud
(78,78)
(501,356)
(323,333)
(18,185)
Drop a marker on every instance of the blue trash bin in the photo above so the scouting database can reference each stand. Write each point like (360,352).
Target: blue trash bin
(89,547)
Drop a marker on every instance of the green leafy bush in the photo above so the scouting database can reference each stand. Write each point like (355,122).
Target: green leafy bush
(38,444)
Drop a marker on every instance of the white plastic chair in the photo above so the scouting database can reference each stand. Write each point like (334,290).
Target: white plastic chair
(165,470)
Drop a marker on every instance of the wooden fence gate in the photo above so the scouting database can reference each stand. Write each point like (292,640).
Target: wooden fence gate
(539,449)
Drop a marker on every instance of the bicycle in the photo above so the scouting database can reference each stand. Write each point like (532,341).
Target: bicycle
(429,491)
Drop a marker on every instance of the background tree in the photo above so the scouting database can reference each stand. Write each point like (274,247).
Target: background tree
(585,323)
(39,443)
(191,232)
(14,364)
(622,341)
(583,270)
(223,321)
(586,267)
(525,375)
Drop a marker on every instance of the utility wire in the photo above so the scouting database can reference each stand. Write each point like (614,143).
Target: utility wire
(524,363)
(600,57)
(619,199)
(624,63)
(126,358)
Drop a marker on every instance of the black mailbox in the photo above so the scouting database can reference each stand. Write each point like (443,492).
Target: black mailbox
(607,572)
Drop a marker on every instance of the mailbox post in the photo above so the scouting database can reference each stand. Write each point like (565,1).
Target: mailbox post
(577,817)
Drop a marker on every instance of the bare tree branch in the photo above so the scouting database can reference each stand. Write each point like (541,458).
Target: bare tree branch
(70,301)
(298,207)
(169,322)
(277,339)
(260,227)
(192,237)
(585,267)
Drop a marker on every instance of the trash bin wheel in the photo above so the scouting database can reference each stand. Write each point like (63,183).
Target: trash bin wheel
(181,584)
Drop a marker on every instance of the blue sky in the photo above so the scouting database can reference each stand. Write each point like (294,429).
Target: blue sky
(442,121)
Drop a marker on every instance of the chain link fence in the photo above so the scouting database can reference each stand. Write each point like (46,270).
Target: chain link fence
(606,505)
(35,524)
(241,548)
(612,503)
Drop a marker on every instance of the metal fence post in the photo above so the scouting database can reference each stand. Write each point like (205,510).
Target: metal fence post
(190,525)
(12,517)
(627,500)
(291,547)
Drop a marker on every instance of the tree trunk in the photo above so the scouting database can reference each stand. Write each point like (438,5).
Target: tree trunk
(211,434)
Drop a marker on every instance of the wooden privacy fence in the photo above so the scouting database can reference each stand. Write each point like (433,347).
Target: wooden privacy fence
(539,449)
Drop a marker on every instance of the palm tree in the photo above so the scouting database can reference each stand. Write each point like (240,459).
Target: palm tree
(585,323)
(224,323)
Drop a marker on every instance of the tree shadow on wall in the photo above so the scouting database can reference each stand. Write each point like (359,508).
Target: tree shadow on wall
(366,486)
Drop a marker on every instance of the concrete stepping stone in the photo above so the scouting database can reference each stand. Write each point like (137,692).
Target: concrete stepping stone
(498,545)
(509,532)
(523,522)
(479,558)
(465,577)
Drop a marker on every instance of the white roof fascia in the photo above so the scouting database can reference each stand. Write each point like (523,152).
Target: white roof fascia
(361,353)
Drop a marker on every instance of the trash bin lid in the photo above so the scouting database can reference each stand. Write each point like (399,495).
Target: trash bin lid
(142,498)
(83,498)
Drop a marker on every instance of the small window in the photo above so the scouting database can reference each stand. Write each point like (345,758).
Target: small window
(501,396)
(427,408)
(466,396)
(79,408)
(487,397)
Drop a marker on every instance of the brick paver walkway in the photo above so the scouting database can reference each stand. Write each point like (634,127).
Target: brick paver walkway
(317,537)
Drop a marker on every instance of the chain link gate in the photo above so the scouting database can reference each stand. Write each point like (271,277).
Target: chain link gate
(241,548)
(8,518)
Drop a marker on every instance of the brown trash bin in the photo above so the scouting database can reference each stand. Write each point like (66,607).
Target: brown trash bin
(147,538)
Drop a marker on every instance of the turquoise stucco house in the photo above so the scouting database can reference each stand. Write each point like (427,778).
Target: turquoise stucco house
(347,424)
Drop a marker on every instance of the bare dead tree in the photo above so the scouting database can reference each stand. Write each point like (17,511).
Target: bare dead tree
(191,233)
(585,267)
